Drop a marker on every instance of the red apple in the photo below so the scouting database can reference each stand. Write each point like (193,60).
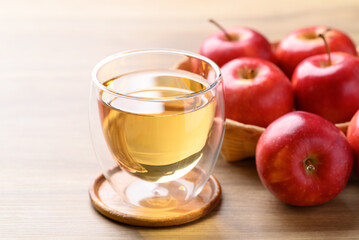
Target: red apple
(303,159)
(256,91)
(353,139)
(305,42)
(243,42)
(330,90)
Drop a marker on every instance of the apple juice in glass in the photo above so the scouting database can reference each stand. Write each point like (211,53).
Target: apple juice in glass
(157,124)
(155,142)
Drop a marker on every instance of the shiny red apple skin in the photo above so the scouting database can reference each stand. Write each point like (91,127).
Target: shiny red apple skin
(282,153)
(260,100)
(353,139)
(295,47)
(248,43)
(329,91)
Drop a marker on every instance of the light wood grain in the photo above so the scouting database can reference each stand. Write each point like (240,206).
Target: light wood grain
(47,51)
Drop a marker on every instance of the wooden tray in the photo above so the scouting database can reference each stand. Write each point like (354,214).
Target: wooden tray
(240,140)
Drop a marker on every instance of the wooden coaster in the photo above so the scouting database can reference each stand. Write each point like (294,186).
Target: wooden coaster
(107,202)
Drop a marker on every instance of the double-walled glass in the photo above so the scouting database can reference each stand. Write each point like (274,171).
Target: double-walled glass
(157,124)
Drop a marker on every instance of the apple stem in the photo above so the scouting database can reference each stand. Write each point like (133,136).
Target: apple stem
(321,35)
(222,29)
(250,73)
(309,165)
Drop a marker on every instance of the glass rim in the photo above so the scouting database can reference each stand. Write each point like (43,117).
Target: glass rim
(110,58)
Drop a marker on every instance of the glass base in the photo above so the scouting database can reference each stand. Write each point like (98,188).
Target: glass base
(153,204)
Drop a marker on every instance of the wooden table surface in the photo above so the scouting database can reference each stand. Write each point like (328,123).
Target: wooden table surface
(47,51)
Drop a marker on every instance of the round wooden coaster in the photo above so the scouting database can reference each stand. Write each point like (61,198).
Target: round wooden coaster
(107,202)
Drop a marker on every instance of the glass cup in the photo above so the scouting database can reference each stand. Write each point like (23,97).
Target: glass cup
(157,125)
